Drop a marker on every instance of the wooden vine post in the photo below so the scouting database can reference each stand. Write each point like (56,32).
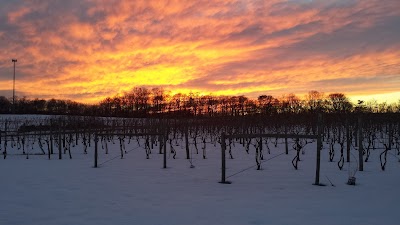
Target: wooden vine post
(59,140)
(223,160)
(348,141)
(360,146)
(96,155)
(187,142)
(51,136)
(1,132)
(5,140)
(390,136)
(286,142)
(319,147)
(63,138)
(164,141)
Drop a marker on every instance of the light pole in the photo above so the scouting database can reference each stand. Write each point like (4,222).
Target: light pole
(14,61)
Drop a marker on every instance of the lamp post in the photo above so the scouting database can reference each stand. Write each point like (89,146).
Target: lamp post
(14,61)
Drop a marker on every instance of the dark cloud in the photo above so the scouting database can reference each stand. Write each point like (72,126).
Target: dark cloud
(376,80)
(8,93)
(351,40)
(248,32)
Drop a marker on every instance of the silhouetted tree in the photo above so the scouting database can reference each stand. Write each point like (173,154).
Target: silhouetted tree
(39,105)
(291,104)
(177,102)
(339,103)
(251,107)
(266,103)
(141,101)
(141,97)
(105,106)
(5,105)
(242,103)
(315,101)
(158,98)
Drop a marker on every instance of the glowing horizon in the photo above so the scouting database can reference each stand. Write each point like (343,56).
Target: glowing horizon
(89,50)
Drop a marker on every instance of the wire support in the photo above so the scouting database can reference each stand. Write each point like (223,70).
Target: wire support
(118,156)
(262,161)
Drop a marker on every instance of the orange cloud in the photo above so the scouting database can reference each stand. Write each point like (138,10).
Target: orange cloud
(81,31)
(88,50)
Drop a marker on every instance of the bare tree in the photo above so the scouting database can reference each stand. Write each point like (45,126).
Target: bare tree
(5,105)
(290,103)
(315,101)
(339,103)
(266,103)
(141,99)
(158,99)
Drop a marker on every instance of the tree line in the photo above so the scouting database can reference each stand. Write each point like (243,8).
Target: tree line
(154,102)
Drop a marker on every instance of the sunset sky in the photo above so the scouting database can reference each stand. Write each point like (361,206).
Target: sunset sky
(86,50)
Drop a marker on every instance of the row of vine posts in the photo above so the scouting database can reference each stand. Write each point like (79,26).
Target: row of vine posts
(355,132)
(346,132)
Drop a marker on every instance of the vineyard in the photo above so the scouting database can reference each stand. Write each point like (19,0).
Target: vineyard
(178,160)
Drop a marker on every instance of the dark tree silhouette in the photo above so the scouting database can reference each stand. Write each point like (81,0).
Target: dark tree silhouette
(315,101)
(5,105)
(143,102)
(266,103)
(339,103)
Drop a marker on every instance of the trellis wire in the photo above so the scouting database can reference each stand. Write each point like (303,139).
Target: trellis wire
(118,156)
(262,161)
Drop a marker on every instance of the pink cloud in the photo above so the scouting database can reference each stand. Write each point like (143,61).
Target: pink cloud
(235,45)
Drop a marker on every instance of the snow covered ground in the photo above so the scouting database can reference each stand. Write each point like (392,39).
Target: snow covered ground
(136,190)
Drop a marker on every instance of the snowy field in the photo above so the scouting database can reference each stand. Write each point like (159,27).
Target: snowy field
(136,190)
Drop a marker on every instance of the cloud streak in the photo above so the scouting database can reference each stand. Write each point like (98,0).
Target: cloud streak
(88,50)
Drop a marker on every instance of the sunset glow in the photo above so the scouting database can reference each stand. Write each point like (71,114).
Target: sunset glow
(87,50)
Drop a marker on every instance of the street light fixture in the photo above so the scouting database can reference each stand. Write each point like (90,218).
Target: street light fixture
(14,61)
